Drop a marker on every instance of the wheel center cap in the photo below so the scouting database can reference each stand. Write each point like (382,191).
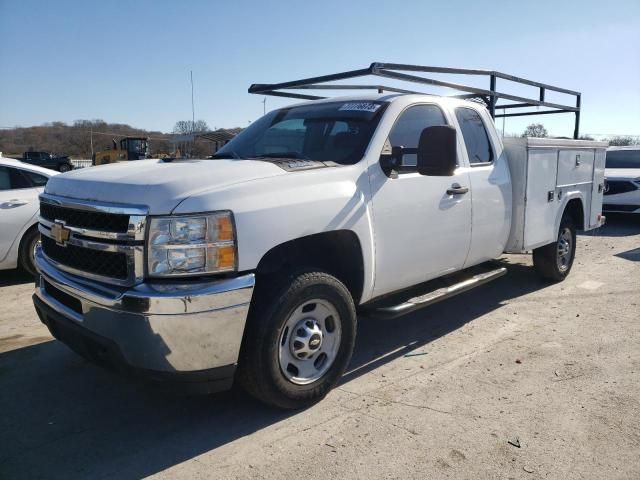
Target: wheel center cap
(306,339)
(315,341)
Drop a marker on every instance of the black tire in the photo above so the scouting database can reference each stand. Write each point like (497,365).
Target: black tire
(64,167)
(547,259)
(27,249)
(259,371)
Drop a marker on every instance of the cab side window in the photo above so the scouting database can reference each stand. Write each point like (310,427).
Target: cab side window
(13,179)
(475,136)
(5,179)
(407,129)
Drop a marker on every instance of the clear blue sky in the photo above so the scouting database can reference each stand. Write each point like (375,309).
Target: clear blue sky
(129,61)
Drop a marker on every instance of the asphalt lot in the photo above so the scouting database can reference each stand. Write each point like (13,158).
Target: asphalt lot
(516,379)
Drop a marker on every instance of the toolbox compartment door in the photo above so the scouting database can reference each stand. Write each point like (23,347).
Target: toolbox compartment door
(541,207)
(575,167)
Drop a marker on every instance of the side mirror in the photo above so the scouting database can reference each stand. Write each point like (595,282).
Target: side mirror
(437,151)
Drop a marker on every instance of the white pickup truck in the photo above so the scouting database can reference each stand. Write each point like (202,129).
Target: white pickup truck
(251,266)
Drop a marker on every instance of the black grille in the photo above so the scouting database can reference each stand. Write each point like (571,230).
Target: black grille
(107,222)
(610,207)
(106,264)
(64,298)
(614,187)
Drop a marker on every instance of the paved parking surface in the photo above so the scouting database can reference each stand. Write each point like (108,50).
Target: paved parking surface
(516,379)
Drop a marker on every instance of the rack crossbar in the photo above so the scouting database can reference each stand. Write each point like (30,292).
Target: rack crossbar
(395,71)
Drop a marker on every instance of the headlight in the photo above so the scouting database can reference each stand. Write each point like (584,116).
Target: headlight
(191,245)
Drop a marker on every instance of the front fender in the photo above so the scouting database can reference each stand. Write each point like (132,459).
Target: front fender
(271,211)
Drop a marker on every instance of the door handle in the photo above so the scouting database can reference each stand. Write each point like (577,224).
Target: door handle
(13,204)
(457,189)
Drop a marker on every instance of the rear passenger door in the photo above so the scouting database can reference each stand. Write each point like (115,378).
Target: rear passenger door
(490,185)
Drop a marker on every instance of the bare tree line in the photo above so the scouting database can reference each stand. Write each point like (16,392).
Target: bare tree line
(77,139)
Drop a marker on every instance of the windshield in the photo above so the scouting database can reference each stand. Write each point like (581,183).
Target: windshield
(138,146)
(623,159)
(337,132)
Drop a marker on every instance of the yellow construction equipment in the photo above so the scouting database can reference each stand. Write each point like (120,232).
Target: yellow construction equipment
(130,148)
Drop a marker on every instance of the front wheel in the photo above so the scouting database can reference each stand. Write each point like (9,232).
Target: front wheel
(298,340)
(553,262)
(27,252)
(64,167)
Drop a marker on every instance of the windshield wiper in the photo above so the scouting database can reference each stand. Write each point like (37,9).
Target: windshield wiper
(295,155)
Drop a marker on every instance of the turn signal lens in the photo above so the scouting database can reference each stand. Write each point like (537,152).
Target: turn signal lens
(226,258)
(225,229)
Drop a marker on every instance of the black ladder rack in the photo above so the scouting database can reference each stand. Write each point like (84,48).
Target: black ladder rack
(398,71)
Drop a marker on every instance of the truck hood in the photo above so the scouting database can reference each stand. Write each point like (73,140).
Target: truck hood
(158,184)
(622,173)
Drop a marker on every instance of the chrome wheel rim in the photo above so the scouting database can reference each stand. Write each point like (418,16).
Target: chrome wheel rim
(565,242)
(36,244)
(309,341)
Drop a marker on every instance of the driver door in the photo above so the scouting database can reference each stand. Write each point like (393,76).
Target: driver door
(421,231)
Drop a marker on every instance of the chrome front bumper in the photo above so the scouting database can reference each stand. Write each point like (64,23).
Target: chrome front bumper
(162,328)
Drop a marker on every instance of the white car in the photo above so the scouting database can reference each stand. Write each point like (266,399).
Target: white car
(20,185)
(622,174)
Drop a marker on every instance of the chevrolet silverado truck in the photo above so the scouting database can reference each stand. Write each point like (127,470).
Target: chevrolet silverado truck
(250,267)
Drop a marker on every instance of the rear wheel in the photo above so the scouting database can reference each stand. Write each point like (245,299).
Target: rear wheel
(27,252)
(553,262)
(64,167)
(298,340)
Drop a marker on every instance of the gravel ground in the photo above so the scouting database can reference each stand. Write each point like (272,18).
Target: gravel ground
(516,379)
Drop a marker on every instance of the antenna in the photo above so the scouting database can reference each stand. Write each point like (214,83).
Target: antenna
(193,112)
(264,105)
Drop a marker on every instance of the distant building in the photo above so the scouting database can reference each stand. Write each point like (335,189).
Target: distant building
(219,137)
(188,145)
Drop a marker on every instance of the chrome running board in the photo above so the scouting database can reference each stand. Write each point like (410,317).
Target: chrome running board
(437,295)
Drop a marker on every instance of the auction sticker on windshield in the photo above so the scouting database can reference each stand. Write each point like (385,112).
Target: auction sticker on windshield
(360,107)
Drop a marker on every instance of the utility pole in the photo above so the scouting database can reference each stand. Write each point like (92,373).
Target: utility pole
(91,136)
(193,112)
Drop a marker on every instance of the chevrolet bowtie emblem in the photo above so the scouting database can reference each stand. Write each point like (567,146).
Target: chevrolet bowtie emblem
(59,233)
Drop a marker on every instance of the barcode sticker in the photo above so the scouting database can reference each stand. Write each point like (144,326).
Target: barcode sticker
(360,107)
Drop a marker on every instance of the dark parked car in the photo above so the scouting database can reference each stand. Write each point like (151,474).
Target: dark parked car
(48,160)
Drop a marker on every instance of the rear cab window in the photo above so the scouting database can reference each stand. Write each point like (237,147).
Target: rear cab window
(36,179)
(476,138)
